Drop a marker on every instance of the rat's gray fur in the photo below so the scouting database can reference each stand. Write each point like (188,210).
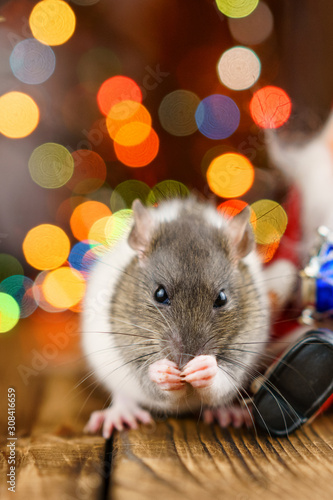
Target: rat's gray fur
(193,260)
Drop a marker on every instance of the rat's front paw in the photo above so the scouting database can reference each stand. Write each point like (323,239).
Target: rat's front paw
(117,417)
(166,375)
(200,371)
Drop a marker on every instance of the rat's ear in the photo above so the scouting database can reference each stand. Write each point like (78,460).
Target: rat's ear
(241,234)
(140,236)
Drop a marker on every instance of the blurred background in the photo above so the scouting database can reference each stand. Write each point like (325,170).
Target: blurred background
(102,102)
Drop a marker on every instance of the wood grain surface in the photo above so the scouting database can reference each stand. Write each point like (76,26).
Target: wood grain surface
(176,459)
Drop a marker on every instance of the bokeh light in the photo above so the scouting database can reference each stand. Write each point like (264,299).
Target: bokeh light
(32,62)
(230,208)
(118,225)
(167,190)
(20,288)
(132,134)
(46,247)
(9,312)
(85,215)
(89,172)
(51,165)
(64,287)
(39,296)
(9,266)
(124,113)
(95,66)
(128,191)
(230,175)
(270,107)
(177,112)
(238,68)
(115,89)
(255,28)
(81,258)
(52,22)
(267,252)
(19,115)
(217,116)
(271,221)
(236,8)
(97,234)
(141,154)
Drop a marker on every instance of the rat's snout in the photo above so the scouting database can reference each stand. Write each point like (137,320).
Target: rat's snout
(183,348)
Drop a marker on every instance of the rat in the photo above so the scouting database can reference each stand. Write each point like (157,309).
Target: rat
(176,316)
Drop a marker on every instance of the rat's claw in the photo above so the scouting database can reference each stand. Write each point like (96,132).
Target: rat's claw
(200,371)
(237,416)
(166,374)
(117,417)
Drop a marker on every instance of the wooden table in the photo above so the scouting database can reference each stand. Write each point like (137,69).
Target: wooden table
(176,459)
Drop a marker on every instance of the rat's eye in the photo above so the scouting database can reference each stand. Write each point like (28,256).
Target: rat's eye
(221,299)
(161,296)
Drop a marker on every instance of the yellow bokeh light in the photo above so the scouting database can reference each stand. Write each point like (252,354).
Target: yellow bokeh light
(64,287)
(97,233)
(85,215)
(9,312)
(52,22)
(230,175)
(46,247)
(236,8)
(51,165)
(271,221)
(19,115)
(125,112)
(118,225)
(132,134)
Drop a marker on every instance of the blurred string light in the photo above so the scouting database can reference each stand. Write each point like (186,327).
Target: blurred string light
(177,112)
(138,155)
(126,192)
(238,68)
(85,215)
(39,296)
(20,288)
(32,62)
(52,22)
(9,312)
(51,165)
(79,257)
(270,107)
(230,175)
(95,66)
(132,134)
(19,115)
(255,28)
(126,113)
(85,3)
(217,116)
(46,247)
(89,172)
(236,8)
(271,221)
(64,287)
(230,208)
(97,234)
(167,190)
(118,226)
(115,89)
(9,266)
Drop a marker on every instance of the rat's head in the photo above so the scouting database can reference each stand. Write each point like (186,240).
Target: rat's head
(193,288)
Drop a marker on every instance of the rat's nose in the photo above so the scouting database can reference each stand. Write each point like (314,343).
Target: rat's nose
(181,359)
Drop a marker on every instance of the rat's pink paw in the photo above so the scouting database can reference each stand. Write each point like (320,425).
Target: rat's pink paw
(117,417)
(166,374)
(200,371)
(237,416)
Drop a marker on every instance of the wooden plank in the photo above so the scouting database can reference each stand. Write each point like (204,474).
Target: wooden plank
(53,458)
(183,459)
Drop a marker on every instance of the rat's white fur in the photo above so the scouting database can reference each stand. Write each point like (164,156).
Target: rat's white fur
(97,340)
